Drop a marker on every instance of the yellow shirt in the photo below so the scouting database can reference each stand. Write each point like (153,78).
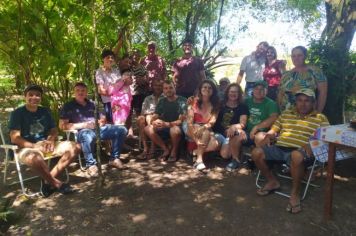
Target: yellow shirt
(294,130)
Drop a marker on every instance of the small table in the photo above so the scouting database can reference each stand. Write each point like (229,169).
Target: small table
(336,136)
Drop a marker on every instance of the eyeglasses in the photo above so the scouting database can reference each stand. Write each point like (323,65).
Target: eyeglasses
(207,87)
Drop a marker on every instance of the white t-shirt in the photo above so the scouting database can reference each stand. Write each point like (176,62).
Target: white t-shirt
(253,68)
(107,79)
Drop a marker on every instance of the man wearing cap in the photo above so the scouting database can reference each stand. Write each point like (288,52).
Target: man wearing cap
(263,113)
(223,83)
(188,71)
(33,130)
(154,64)
(78,114)
(253,65)
(294,128)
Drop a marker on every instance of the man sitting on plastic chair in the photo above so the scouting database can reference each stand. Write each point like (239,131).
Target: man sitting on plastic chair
(294,128)
(34,131)
(78,114)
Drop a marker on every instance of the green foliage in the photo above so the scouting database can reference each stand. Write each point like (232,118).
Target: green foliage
(51,43)
(7,215)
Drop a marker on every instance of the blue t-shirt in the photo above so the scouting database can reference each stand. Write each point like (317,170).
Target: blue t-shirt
(34,126)
(77,113)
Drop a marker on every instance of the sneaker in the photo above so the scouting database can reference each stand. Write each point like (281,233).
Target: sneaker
(233,165)
(93,171)
(46,189)
(117,163)
(200,166)
(65,189)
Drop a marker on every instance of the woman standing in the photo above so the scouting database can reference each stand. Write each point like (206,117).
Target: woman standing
(231,124)
(200,119)
(272,73)
(106,77)
(300,77)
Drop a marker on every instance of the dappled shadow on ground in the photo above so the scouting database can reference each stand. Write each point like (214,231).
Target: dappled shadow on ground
(149,198)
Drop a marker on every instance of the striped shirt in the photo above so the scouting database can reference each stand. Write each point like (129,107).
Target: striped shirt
(294,130)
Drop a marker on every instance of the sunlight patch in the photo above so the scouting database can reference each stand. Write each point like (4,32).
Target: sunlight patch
(112,201)
(138,218)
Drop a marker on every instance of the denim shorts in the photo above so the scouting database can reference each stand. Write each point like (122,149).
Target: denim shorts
(279,153)
(164,133)
(222,140)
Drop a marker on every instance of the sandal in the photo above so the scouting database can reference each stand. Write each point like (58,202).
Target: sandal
(265,192)
(145,156)
(172,159)
(294,209)
(163,157)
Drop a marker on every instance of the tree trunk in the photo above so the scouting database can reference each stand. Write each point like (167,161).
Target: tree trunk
(338,35)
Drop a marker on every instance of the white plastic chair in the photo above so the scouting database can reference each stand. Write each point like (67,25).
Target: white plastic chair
(7,161)
(307,182)
(74,133)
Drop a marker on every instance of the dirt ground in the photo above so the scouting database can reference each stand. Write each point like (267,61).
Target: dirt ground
(149,198)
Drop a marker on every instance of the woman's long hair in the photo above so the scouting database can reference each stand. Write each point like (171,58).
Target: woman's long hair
(240,95)
(214,99)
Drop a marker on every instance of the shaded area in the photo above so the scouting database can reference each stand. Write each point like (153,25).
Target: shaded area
(151,199)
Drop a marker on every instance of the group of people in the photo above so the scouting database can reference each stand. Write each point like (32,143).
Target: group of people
(276,115)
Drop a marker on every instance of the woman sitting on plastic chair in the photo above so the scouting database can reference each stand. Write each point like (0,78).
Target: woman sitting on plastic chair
(33,130)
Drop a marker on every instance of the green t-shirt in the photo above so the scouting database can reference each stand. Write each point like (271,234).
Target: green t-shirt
(260,111)
(170,111)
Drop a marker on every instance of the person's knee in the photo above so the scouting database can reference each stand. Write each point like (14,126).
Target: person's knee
(175,131)
(141,121)
(257,154)
(260,139)
(33,159)
(86,135)
(296,158)
(149,130)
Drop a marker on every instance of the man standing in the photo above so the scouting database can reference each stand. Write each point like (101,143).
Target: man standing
(294,128)
(166,121)
(78,114)
(188,71)
(154,64)
(253,65)
(263,113)
(34,131)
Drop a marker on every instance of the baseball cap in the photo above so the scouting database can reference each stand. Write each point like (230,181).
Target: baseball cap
(261,82)
(34,87)
(306,91)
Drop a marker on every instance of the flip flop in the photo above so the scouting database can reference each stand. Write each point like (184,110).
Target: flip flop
(294,209)
(172,159)
(265,192)
(163,157)
(145,156)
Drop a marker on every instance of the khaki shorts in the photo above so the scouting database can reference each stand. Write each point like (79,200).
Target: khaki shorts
(59,149)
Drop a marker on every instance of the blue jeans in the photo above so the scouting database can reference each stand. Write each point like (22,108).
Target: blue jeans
(86,138)
(108,112)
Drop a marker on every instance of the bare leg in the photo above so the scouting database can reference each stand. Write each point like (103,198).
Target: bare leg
(38,165)
(258,157)
(175,134)
(69,151)
(260,141)
(151,133)
(141,123)
(297,172)
(235,144)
